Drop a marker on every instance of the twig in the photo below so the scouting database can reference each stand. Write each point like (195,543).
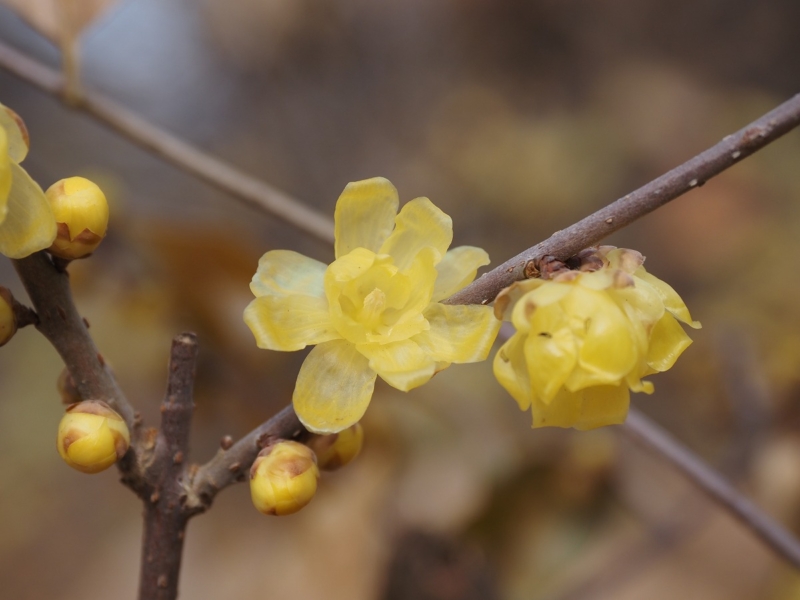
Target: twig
(232,464)
(221,175)
(164,517)
(597,226)
(646,433)
(59,321)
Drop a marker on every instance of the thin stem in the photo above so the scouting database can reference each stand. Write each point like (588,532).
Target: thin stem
(613,217)
(221,175)
(164,517)
(649,435)
(232,464)
(59,321)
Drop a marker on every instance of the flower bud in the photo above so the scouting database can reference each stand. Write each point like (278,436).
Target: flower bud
(8,325)
(81,212)
(335,451)
(283,478)
(92,437)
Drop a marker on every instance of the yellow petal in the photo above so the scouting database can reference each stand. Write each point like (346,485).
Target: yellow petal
(457,269)
(18,140)
(458,334)
(364,215)
(29,225)
(289,322)
(672,301)
(667,342)
(546,294)
(608,351)
(419,224)
(585,409)
(285,273)
(511,370)
(333,388)
(551,358)
(5,175)
(508,298)
(403,365)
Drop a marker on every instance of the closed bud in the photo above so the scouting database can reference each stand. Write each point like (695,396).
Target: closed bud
(283,478)
(335,451)
(81,212)
(8,325)
(92,437)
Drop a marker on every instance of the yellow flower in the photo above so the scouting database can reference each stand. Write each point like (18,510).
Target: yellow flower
(92,436)
(26,221)
(81,213)
(584,339)
(375,310)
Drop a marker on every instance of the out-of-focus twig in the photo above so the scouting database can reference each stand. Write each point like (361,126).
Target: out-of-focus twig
(649,435)
(221,175)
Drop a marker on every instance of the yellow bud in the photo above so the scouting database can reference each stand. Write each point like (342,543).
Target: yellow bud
(92,437)
(8,325)
(81,212)
(337,450)
(283,478)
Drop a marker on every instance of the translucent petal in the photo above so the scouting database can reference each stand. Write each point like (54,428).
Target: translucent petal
(458,334)
(667,342)
(29,225)
(507,299)
(512,372)
(364,215)
(603,405)
(551,358)
(672,301)
(289,322)
(284,273)
(333,388)
(608,351)
(17,133)
(585,409)
(5,175)
(458,268)
(419,224)
(403,365)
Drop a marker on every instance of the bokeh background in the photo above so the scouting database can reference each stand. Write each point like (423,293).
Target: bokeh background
(516,117)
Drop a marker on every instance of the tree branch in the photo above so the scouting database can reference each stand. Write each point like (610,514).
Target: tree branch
(221,175)
(164,517)
(597,226)
(649,435)
(232,464)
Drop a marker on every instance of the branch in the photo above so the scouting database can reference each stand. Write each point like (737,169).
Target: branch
(649,435)
(59,321)
(221,175)
(232,464)
(597,226)
(164,516)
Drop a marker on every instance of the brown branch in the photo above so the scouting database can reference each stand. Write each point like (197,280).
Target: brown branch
(59,321)
(221,175)
(597,226)
(649,435)
(232,464)
(164,516)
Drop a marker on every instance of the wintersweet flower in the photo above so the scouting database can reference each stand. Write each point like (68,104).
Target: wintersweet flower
(584,339)
(26,221)
(375,310)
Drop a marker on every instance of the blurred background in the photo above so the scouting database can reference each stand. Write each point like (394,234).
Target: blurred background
(516,117)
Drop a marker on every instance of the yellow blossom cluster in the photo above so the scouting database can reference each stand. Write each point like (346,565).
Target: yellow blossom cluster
(584,339)
(375,310)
